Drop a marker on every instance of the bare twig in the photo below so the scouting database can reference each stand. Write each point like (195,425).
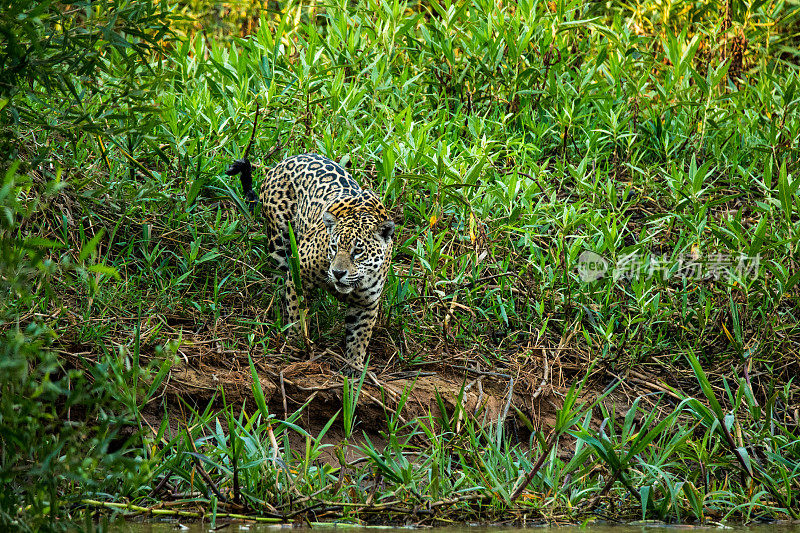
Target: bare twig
(545,379)
(200,469)
(551,441)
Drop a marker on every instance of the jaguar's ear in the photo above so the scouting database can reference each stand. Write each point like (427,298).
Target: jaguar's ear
(329,220)
(385,230)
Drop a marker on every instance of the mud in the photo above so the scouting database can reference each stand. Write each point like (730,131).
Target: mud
(206,371)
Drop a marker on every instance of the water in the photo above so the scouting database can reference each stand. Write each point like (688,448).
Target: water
(172,527)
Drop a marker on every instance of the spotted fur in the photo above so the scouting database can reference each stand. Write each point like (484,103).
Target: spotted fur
(343,235)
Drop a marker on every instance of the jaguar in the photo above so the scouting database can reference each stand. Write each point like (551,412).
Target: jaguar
(343,236)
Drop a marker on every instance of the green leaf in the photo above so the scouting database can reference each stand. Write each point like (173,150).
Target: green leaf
(208,256)
(791,282)
(90,246)
(197,185)
(705,385)
(785,193)
(107,270)
(258,391)
(35,241)
(209,461)
(746,458)
(644,492)
(693,495)
(166,366)
(758,238)
(230,193)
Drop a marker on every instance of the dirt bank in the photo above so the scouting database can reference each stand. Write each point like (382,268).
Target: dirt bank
(524,393)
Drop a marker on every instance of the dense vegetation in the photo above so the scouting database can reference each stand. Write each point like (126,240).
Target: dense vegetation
(507,140)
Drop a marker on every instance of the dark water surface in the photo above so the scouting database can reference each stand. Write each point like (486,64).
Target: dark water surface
(172,526)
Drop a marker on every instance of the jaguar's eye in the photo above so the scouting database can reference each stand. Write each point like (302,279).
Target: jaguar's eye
(356,253)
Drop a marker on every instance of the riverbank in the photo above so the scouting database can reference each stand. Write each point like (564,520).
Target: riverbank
(593,309)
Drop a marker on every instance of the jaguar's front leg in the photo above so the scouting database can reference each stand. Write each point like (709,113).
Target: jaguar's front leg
(294,311)
(358,324)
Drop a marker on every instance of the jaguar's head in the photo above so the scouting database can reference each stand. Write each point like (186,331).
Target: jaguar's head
(358,246)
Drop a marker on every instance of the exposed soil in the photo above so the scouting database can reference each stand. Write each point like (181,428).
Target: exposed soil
(523,384)
(533,385)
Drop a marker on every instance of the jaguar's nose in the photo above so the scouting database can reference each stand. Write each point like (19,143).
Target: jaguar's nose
(338,274)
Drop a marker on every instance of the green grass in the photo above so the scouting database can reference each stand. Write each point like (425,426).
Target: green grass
(484,149)
(676,464)
(506,140)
